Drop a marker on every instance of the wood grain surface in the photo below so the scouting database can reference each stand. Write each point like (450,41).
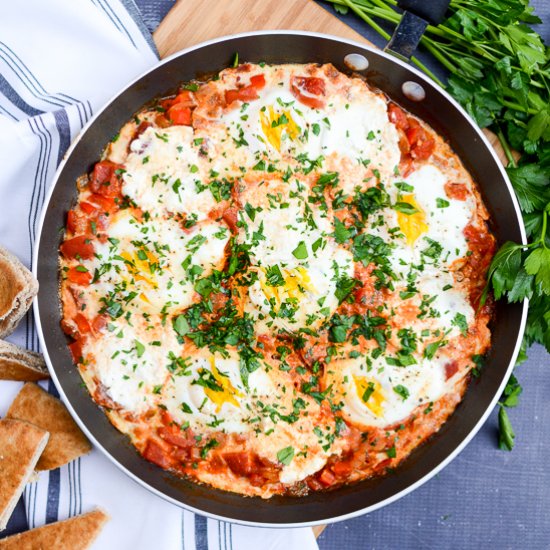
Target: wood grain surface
(189,23)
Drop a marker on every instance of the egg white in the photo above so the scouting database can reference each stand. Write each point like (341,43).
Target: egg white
(162,170)
(425,383)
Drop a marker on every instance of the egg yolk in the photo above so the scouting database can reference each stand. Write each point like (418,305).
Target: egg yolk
(274,123)
(141,266)
(412,225)
(226,394)
(297,282)
(371,394)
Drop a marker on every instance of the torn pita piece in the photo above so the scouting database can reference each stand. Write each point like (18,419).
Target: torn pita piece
(17,289)
(67,442)
(21,444)
(20,364)
(76,533)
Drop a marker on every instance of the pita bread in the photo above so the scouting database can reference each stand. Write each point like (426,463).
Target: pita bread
(75,533)
(66,442)
(21,444)
(20,364)
(17,289)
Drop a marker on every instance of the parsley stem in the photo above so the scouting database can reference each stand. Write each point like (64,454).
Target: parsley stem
(363,15)
(518,107)
(506,148)
(542,239)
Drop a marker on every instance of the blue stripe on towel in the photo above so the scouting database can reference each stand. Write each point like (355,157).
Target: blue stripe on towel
(201,533)
(64,131)
(116,20)
(9,93)
(52,507)
(135,14)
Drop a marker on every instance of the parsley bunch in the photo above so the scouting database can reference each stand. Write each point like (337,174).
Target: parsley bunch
(499,71)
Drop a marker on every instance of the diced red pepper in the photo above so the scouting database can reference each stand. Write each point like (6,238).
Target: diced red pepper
(457,191)
(398,117)
(230,217)
(104,179)
(180,114)
(82,324)
(247,93)
(241,463)
(231,96)
(327,478)
(422,144)
(87,207)
(76,351)
(72,221)
(342,468)
(308,90)
(79,275)
(157,455)
(176,437)
(78,247)
(185,98)
(99,323)
(451,369)
(107,204)
(258,81)
(404,145)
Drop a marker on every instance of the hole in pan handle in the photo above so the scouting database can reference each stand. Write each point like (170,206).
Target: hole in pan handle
(417,15)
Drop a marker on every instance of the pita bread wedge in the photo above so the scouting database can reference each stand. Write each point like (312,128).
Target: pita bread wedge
(20,364)
(21,444)
(66,442)
(17,289)
(76,533)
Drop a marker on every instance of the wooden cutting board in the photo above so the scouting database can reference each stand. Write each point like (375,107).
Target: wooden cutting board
(192,21)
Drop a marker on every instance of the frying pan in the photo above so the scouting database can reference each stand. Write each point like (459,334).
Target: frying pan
(446,117)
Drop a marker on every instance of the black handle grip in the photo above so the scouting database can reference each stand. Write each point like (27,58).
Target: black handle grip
(432,11)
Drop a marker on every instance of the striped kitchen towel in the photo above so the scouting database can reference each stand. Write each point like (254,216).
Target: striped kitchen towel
(59,62)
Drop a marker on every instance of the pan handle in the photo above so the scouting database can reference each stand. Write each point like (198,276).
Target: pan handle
(417,15)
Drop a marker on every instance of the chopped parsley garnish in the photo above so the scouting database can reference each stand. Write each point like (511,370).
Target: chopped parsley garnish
(431,349)
(402,391)
(181,326)
(405,208)
(285,456)
(300,252)
(368,392)
(461,323)
(140,348)
(274,277)
(210,445)
(186,408)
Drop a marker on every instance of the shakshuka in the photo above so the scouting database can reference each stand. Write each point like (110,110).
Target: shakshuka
(272,280)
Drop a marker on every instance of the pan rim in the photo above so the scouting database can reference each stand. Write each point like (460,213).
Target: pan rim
(451,456)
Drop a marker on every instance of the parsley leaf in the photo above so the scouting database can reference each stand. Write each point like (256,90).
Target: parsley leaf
(402,391)
(274,277)
(285,456)
(405,208)
(300,252)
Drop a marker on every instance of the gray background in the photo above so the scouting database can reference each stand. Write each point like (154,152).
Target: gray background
(486,498)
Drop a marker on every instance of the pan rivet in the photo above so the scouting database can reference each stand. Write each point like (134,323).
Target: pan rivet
(413,91)
(356,62)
